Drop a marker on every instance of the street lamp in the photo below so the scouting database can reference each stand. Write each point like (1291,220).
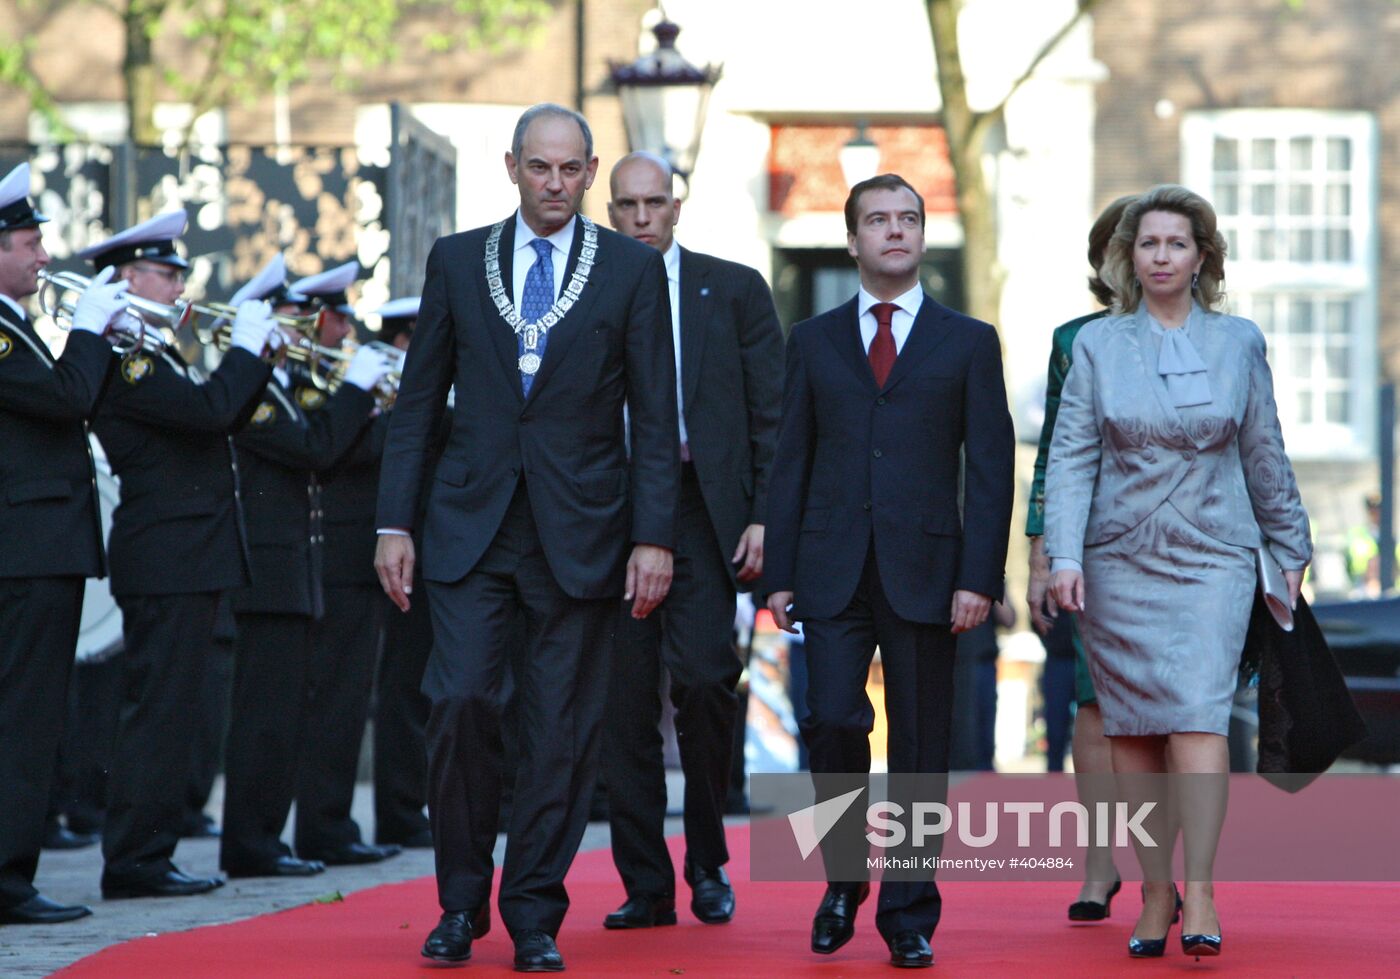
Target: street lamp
(860,157)
(664,99)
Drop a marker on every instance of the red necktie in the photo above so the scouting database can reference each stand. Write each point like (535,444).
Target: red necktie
(882,352)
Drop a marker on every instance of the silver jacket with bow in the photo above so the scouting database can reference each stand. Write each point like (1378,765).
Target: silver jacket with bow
(1121,449)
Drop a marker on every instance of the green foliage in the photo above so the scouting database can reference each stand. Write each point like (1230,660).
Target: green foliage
(16,74)
(251,45)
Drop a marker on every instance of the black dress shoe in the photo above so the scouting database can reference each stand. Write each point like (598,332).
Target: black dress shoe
(642,911)
(835,921)
(535,951)
(451,940)
(348,854)
(172,883)
(910,950)
(1095,910)
(711,896)
(59,837)
(39,910)
(281,867)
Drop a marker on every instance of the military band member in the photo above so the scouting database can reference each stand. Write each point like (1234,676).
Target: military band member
(400,708)
(278,455)
(50,536)
(177,541)
(345,640)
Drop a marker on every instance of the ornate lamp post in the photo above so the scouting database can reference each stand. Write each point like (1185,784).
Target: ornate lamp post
(664,99)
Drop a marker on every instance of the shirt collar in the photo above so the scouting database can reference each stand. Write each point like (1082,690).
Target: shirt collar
(563,239)
(673,261)
(909,301)
(18,309)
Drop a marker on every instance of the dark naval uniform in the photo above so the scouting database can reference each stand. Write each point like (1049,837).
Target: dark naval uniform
(50,541)
(278,454)
(345,643)
(177,541)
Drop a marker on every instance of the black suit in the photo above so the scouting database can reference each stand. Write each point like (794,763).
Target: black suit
(533,507)
(279,452)
(864,529)
(50,541)
(731,393)
(345,642)
(177,542)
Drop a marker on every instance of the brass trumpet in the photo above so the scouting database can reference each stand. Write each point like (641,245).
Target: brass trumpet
(59,293)
(387,390)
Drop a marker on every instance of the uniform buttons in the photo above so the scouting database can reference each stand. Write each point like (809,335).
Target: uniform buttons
(879,401)
(867,504)
(1188,455)
(1149,455)
(877,453)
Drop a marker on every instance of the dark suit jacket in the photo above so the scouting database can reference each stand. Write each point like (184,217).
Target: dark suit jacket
(49,522)
(566,439)
(178,528)
(855,460)
(731,355)
(279,452)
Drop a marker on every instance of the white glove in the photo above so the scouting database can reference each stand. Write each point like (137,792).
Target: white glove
(252,326)
(366,369)
(101,303)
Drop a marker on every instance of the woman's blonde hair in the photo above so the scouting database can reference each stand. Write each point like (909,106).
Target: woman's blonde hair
(1118,271)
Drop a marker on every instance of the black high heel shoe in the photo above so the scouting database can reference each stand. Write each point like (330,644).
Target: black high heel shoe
(1153,948)
(1199,945)
(1094,910)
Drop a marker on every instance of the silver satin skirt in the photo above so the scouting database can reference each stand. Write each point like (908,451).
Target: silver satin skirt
(1166,610)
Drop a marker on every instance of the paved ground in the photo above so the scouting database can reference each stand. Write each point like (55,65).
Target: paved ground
(72,877)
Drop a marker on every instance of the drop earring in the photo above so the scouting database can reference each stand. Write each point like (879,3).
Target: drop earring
(1195,278)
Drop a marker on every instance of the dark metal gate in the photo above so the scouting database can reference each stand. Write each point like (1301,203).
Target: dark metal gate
(422,198)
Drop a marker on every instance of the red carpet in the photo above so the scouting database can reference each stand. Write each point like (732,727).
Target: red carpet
(988,929)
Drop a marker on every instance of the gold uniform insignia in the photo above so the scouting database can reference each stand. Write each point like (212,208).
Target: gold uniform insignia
(136,368)
(310,398)
(265,413)
(6,345)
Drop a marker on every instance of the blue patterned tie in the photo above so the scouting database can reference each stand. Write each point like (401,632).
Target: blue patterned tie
(539,296)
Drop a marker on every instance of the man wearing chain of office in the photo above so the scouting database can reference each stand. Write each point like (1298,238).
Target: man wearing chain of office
(545,325)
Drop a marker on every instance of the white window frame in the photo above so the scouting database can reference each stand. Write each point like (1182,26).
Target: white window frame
(1355,279)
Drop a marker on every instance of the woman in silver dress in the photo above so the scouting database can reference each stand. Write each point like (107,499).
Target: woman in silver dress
(1166,471)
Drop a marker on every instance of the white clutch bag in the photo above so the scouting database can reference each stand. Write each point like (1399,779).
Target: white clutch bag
(1274,588)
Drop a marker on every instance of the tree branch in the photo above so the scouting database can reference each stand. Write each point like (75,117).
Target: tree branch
(984,119)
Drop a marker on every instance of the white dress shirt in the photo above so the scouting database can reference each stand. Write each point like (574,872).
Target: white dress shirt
(673,284)
(900,323)
(525,256)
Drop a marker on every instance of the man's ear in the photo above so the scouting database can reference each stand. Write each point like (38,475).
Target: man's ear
(510,167)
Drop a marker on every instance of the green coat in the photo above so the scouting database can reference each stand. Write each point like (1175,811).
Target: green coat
(1061,349)
(1061,357)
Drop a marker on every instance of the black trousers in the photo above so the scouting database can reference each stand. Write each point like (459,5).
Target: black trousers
(271,657)
(691,636)
(561,689)
(401,722)
(208,755)
(163,668)
(345,644)
(39,620)
(918,666)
